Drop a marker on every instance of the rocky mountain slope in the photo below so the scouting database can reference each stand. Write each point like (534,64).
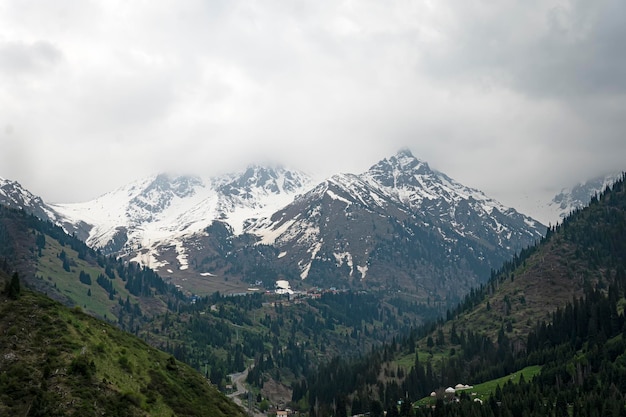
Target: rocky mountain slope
(578,196)
(398,225)
(13,195)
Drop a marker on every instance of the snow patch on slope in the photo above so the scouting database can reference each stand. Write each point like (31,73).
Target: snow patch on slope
(269,236)
(363,270)
(314,250)
(346,257)
(339,198)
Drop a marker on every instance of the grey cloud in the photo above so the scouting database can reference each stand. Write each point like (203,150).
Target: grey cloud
(538,48)
(111,102)
(492,93)
(582,56)
(53,18)
(18,58)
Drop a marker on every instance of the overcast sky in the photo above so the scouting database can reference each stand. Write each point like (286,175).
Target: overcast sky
(516,98)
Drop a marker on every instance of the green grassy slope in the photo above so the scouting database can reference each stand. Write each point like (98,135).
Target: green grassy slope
(486,389)
(56,361)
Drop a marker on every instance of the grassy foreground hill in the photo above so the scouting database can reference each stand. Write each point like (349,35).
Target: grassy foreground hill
(56,361)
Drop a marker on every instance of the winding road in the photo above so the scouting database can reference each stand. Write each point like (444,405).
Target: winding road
(238,383)
(238,380)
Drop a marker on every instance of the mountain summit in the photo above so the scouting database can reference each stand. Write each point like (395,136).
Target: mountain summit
(13,195)
(465,211)
(400,224)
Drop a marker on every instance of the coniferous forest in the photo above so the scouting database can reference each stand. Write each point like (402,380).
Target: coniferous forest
(581,348)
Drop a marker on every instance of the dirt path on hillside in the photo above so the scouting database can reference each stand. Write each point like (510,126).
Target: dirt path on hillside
(238,381)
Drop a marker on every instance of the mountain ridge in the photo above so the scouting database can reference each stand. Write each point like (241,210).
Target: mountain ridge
(341,231)
(355,220)
(162,205)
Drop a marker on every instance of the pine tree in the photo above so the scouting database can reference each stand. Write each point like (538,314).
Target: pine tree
(13,288)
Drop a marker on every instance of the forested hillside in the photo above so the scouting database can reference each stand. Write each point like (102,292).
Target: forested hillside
(283,337)
(61,266)
(579,345)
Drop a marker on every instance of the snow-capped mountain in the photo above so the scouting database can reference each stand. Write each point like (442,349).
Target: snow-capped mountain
(399,223)
(13,195)
(466,211)
(161,210)
(578,196)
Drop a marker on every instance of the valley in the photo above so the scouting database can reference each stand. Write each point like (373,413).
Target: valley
(312,208)
(420,311)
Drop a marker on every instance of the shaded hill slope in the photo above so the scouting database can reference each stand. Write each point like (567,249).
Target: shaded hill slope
(587,250)
(66,269)
(60,362)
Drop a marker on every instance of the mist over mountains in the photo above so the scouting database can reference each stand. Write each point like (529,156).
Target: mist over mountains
(400,224)
(578,196)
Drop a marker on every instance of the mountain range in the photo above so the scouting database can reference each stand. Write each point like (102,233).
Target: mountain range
(425,238)
(400,224)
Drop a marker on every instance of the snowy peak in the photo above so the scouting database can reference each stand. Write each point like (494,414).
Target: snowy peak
(181,187)
(258,180)
(578,196)
(414,183)
(163,208)
(158,195)
(13,195)
(401,170)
